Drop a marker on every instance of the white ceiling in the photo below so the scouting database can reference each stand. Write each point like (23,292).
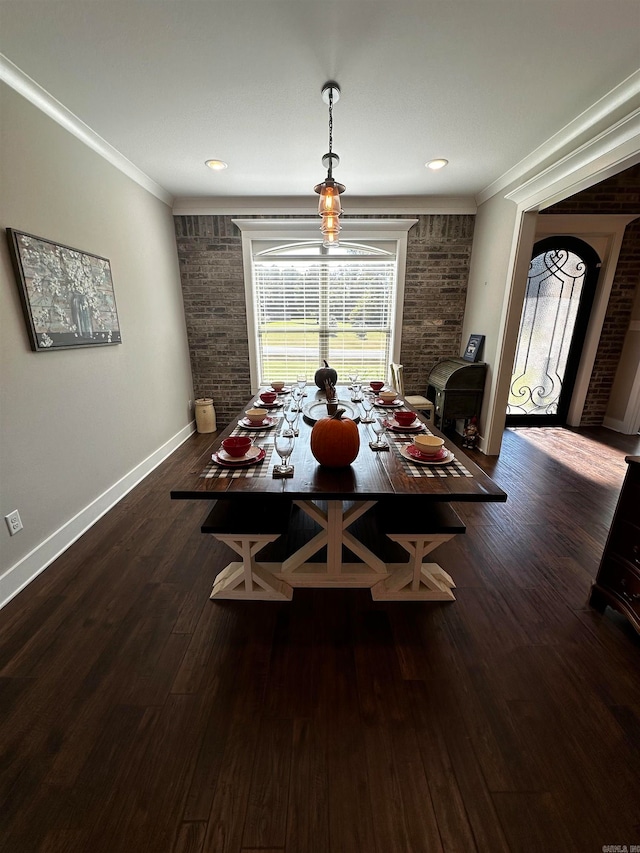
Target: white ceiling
(171,83)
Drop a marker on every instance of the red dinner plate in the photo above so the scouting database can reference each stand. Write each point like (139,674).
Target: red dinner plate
(268,422)
(227,462)
(394,405)
(440,456)
(394,426)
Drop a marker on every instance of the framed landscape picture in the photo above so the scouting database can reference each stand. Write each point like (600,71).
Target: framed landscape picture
(67,295)
(473,348)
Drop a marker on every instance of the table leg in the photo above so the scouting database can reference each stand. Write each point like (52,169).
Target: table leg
(296,569)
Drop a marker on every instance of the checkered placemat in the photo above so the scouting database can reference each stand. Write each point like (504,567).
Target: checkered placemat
(453,469)
(260,469)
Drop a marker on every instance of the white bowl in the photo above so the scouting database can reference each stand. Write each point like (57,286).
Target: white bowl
(256,416)
(387,396)
(428,445)
(277,386)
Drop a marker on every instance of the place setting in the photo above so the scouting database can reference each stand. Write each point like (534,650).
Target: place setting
(238,451)
(388,400)
(404,421)
(279,388)
(257,419)
(269,399)
(426,450)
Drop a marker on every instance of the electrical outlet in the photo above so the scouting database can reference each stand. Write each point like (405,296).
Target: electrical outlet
(14,522)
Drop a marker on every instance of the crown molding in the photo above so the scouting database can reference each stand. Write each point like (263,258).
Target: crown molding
(614,149)
(624,96)
(40,98)
(303,206)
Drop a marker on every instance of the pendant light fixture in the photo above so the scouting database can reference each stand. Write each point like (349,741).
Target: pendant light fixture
(329,206)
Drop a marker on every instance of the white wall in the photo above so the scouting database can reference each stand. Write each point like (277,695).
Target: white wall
(623,411)
(487,306)
(79,427)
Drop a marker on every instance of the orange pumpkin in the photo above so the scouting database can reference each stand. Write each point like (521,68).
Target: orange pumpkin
(335,442)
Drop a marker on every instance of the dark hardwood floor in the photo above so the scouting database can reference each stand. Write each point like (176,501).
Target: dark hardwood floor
(137,716)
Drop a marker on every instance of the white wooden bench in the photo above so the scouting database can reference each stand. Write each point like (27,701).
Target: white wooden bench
(246,526)
(419,527)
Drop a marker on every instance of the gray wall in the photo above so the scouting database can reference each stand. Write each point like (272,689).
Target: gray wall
(210,257)
(75,422)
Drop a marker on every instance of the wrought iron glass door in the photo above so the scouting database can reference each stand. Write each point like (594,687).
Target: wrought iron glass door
(560,288)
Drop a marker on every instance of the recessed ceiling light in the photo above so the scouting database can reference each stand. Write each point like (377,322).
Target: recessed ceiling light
(216,165)
(440,163)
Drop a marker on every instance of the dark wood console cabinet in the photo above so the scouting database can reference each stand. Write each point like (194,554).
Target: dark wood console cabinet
(618,581)
(455,387)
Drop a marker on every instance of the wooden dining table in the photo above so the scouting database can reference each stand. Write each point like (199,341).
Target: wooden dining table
(331,501)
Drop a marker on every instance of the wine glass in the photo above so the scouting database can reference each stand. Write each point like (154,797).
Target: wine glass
(290,416)
(297,407)
(302,383)
(367,405)
(284,449)
(296,396)
(379,427)
(353,377)
(356,387)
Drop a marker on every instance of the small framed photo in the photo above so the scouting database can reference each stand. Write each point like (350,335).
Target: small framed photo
(473,348)
(67,295)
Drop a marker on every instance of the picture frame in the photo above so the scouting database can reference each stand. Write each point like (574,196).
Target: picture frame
(67,294)
(473,348)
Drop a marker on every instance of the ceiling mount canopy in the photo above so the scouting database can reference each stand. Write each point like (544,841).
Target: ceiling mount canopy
(329,206)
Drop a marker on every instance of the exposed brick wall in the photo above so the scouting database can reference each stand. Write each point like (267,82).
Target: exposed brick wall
(210,257)
(438,255)
(618,194)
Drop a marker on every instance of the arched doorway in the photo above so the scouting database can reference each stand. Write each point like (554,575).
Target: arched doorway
(561,285)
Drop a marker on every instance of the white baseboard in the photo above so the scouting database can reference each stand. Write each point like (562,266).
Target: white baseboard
(36,561)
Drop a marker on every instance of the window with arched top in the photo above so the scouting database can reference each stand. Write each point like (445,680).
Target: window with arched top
(307,303)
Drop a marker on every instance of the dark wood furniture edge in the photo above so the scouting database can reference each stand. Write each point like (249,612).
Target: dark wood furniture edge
(602,596)
(599,598)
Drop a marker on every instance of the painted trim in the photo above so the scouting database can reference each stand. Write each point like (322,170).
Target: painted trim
(632,416)
(574,173)
(40,98)
(500,373)
(631,423)
(594,229)
(614,424)
(276,229)
(623,96)
(282,229)
(590,174)
(303,206)
(16,578)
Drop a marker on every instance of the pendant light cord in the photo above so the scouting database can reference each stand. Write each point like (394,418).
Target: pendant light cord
(330,132)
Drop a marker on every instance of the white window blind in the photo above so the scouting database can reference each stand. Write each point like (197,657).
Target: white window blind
(310,307)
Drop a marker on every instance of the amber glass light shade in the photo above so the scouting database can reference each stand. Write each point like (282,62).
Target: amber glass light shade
(329,200)
(330,208)
(330,228)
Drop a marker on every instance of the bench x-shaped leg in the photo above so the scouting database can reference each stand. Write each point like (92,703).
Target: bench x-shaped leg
(248,580)
(416,580)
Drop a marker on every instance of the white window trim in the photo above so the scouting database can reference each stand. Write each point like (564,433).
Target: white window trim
(352,230)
